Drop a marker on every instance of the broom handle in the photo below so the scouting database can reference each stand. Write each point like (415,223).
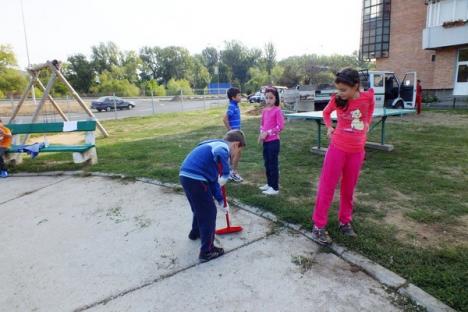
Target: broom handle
(223,190)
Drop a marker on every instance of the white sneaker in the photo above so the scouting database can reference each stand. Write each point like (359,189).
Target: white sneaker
(270,191)
(264,188)
(235,177)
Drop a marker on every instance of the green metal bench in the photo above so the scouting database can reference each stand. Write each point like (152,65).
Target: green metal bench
(81,153)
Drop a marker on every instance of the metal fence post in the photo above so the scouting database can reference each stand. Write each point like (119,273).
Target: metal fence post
(115,105)
(152,101)
(182,100)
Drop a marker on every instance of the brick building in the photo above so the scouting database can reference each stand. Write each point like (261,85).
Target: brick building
(429,37)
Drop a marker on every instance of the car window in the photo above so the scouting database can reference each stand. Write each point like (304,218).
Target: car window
(378,80)
(102,99)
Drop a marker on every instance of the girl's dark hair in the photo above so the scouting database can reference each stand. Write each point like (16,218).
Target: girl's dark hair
(349,77)
(274,91)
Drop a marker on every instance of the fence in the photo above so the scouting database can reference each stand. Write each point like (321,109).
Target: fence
(114,106)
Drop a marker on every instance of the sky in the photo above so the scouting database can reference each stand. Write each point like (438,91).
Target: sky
(57,29)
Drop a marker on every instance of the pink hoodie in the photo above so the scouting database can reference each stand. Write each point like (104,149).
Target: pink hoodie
(272,122)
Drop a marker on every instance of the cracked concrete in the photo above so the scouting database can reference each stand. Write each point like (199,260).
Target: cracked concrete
(99,244)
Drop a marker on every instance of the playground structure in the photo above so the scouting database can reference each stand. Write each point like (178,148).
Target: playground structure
(21,132)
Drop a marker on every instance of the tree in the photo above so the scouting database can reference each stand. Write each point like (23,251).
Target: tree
(108,85)
(177,87)
(79,72)
(238,59)
(131,64)
(12,81)
(200,77)
(210,59)
(106,55)
(153,86)
(270,57)
(176,63)
(151,63)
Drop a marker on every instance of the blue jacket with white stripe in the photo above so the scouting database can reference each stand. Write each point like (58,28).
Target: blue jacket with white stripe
(202,164)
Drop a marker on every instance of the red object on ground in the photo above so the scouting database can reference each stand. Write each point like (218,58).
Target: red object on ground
(229,228)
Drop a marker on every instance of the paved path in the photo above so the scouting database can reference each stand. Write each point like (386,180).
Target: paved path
(100,244)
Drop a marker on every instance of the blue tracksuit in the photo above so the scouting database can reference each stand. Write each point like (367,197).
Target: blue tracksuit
(199,178)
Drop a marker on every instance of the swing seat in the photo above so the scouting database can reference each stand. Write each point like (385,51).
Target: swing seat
(81,153)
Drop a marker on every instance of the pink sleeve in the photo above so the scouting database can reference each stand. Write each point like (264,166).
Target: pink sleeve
(331,106)
(279,120)
(279,123)
(261,122)
(370,111)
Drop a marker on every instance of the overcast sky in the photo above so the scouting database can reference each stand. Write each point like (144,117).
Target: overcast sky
(57,29)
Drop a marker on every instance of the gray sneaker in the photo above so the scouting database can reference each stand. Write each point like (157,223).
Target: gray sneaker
(347,230)
(320,236)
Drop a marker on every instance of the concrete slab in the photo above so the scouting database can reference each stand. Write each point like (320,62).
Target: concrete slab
(83,239)
(283,272)
(102,244)
(14,187)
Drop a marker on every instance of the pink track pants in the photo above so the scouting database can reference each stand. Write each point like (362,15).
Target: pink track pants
(337,163)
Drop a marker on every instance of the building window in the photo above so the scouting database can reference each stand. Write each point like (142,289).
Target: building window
(462,75)
(433,58)
(375,29)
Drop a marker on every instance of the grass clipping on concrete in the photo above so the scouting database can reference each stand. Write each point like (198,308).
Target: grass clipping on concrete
(411,207)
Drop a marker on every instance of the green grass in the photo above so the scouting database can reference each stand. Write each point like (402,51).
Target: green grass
(421,184)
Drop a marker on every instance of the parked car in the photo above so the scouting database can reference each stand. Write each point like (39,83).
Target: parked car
(257,97)
(107,103)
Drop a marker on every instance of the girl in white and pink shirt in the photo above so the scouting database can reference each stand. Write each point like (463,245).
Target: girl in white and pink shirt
(272,123)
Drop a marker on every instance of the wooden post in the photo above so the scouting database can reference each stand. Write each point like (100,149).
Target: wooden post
(24,96)
(51,99)
(77,97)
(50,84)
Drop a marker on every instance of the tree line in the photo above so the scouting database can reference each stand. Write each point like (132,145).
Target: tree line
(170,70)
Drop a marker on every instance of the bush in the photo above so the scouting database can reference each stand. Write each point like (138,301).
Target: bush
(157,89)
(118,87)
(174,87)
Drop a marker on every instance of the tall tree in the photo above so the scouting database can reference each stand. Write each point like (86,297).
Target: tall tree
(210,59)
(270,57)
(80,72)
(151,63)
(239,59)
(12,81)
(106,55)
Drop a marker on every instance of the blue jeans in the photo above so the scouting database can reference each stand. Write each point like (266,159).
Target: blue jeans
(270,156)
(203,207)
(2,162)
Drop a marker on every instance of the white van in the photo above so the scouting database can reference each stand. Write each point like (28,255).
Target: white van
(389,91)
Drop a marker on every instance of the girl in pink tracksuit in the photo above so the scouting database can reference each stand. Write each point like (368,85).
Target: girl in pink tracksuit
(270,127)
(345,153)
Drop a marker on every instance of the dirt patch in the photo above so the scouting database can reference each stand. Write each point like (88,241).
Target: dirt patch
(256,111)
(434,119)
(28,108)
(66,138)
(428,235)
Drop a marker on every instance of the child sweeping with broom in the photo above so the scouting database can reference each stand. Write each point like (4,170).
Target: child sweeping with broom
(199,178)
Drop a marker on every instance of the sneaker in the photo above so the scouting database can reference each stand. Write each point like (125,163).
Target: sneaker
(320,236)
(347,230)
(235,177)
(194,235)
(210,255)
(3,173)
(264,188)
(271,191)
